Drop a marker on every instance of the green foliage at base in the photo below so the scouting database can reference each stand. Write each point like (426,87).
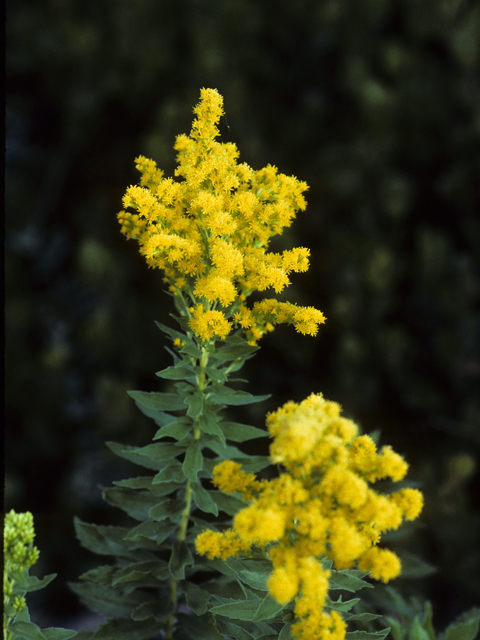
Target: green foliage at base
(156,580)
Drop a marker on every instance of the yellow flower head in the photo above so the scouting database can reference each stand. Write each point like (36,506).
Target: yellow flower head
(209,231)
(323,505)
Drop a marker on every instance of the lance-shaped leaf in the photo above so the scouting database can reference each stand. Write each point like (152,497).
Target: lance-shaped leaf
(465,627)
(234,351)
(32,583)
(242,432)
(210,424)
(54,633)
(105,540)
(138,570)
(110,602)
(135,503)
(177,372)
(367,635)
(193,462)
(227,396)
(203,499)
(157,400)
(268,609)
(157,531)
(158,452)
(23,630)
(197,598)
(172,473)
(195,404)
(199,627)
(127,630)
(158,608)
(170,508)
(348,580)
(130,453)
(229,504)
(180,558)
(238,609)
(177,429)
(253,572)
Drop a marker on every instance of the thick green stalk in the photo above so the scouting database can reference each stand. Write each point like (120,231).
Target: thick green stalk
(182,530)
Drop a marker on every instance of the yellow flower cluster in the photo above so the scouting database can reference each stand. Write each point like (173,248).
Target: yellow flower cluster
(210,231)
(19,554)
(322,506)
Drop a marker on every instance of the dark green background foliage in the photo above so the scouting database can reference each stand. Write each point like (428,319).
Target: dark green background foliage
(376,105)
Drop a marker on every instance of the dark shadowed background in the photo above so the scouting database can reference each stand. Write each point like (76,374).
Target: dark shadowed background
(376,105)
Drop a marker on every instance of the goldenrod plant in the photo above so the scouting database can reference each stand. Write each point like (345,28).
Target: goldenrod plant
(19,554)
(218,552)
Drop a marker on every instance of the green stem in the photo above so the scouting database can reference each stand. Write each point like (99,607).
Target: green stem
(182,530)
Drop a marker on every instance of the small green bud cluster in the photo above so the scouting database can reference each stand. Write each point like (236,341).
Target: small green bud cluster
(19,556)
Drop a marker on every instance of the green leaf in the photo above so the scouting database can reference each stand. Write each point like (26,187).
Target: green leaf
(367,635)
(203,499)
(210,424)
(103,540)
(254,463)
(159,452)
(172,473)
(396,628)
(177,372)
(285,633)
(127,630)
(54,633)
(136,571)
(195,404)
(193,462)
(32,583)
(156,531)
(348,580)
(229,504)
(169,508)
(100,575)
(465,627)
(417,632)
(180,558)
(339,605)
(238,610)
(139,482)
(25,631)
(236,398)
(268,609)
(191,350)
(129,453)
(155,607)
(158,400)
(172,332)
(235,351)
(242,432)
(253,572)
(362,617)
(233,630)
(197,598)
(135,503)
(103,599)
(199,627)
(177,429)
(216,374)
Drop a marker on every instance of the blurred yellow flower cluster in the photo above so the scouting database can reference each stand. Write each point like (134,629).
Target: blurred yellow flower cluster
(19,555)
(209,232)
(322,506)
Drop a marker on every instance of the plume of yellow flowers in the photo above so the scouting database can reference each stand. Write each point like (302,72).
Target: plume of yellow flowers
(209,232)
(322,506)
